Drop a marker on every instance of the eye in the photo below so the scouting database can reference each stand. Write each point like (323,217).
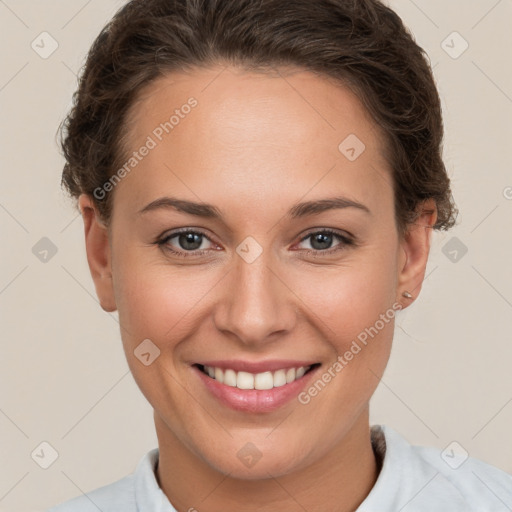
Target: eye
(186,243)
(321,241)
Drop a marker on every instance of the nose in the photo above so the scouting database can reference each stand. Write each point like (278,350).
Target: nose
(256,304)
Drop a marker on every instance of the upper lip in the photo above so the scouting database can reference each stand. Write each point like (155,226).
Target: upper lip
(256,366)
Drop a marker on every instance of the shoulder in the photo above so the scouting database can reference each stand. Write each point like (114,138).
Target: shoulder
(128,494)
(479,483)
(420,478)
(117,496)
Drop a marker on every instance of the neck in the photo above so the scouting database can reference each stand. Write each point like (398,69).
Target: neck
(337,482)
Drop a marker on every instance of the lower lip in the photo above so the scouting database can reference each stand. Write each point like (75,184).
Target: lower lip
(255,400)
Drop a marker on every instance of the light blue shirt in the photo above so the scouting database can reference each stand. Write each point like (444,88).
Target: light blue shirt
(412,479)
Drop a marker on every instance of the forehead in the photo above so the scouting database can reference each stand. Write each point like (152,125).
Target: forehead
(253,134)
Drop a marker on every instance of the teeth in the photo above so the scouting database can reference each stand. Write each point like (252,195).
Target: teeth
(244,380)
(265,380)
(230,378)
(279,378)
(290,375)
(219,375)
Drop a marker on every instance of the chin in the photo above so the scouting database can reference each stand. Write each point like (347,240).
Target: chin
(261,470)
(246,462)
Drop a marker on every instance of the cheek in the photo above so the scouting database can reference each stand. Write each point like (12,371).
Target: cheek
(353,310)
(153,298)
(350,297)
(157,302)
(352,307)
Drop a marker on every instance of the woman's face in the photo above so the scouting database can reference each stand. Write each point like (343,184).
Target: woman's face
(274,274)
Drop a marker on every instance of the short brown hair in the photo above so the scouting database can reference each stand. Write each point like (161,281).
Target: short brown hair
(362,43)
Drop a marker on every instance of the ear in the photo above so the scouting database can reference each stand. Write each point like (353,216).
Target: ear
(415,247)
(98,252)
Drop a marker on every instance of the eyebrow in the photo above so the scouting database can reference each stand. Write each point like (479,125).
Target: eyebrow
(206,210)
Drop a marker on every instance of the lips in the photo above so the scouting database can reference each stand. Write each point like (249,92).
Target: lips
(267,387)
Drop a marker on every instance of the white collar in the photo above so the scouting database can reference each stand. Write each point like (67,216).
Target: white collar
(412,479)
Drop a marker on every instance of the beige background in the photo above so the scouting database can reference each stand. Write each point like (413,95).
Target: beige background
(64,378)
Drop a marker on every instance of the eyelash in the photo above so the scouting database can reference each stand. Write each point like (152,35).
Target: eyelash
(346,242)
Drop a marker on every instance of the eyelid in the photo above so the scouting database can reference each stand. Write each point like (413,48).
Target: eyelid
(166,236)
(346,239)
(338,232)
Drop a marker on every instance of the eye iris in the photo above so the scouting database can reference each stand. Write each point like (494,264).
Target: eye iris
(190,241)
(325,240)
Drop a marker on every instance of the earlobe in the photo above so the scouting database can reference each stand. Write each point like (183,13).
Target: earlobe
(98,253)
(416,247)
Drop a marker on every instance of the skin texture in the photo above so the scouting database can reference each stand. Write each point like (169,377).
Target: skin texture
(255,145)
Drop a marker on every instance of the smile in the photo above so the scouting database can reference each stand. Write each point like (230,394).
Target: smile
(266,388)
(261,381)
